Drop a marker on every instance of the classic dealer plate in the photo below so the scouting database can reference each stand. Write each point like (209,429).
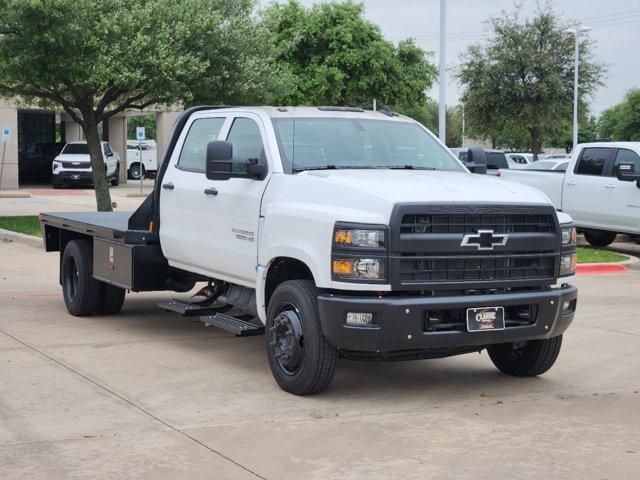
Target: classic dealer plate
(485,318)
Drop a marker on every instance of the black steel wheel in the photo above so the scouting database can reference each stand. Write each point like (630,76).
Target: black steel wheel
(300,358)
(525,359)
(79,289)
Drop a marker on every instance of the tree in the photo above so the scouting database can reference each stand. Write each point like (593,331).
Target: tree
(622,121)
(427,114)
(336,57)
(521,81)
(97,58)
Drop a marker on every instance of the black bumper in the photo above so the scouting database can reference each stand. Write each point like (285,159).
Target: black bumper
(78,178)
(400,320)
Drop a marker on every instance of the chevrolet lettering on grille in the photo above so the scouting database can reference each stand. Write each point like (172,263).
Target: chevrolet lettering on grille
(485,240)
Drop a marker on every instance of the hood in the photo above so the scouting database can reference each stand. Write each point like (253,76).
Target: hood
(431,186)
(75,157)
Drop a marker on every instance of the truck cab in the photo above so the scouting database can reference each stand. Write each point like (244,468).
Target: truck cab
(342,232)
(72,166)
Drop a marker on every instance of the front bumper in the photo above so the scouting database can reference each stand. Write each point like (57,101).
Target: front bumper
(400,320)
(75,177)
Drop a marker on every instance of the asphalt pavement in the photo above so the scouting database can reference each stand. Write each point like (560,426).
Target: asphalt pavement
(146,394)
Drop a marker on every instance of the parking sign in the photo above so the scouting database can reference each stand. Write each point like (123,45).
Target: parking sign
(6,133)
(140,133)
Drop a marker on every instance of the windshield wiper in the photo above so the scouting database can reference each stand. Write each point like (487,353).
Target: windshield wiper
(334,167)
(409,167)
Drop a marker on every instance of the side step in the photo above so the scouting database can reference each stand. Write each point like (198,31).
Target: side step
(187,309)
(233,325)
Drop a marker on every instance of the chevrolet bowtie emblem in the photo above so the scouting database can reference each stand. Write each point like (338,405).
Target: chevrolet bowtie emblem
(485,240)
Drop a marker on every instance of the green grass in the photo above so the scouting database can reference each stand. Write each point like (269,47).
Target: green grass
(595,255)
(28,224)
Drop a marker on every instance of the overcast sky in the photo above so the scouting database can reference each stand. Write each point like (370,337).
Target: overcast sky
(616,29)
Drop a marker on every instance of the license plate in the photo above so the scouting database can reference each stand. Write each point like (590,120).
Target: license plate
(76,177)
(485,318)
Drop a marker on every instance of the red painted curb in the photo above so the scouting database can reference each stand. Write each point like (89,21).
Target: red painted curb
(600,269)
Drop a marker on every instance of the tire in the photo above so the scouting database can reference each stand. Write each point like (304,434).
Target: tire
(110,299)
(80,290)
(599,238)
(133,172)
(292,316)
(115,181)
(527,360)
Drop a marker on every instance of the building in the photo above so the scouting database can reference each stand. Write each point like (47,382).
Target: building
(37,135)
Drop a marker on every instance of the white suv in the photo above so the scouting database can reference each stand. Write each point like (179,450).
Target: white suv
(73,165)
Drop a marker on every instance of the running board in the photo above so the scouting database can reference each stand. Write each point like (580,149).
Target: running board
(187,309)
(232,324)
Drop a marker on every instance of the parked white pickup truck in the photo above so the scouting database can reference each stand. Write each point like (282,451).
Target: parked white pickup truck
(72,166)
(337,232)
(600,189)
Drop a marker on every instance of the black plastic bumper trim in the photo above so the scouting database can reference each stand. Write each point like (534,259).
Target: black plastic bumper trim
(399,320)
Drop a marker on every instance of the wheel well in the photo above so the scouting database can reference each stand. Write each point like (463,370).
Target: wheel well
(283,269)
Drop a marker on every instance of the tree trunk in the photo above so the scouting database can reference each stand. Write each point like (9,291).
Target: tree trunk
(536,143)
(100,185)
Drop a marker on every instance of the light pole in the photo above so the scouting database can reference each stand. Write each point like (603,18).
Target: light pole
(576,32)
(463,125)
(442,78)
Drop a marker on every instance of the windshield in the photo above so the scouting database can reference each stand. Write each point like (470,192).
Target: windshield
(326,143)
(76,149)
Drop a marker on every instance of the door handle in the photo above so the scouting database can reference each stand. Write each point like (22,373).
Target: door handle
(211,191)
(609,185)
(168,186)
(571,183)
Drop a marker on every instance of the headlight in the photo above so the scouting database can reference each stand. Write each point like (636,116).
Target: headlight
(568,263)
(569,236)
(56,166)
(358,237)
(358,268)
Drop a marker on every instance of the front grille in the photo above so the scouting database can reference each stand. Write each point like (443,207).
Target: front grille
(428,249)
(458,223)
(82,165)
(455,267)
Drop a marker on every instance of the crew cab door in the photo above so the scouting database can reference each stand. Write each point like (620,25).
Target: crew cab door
(211,226)
(623,197)
(586,188)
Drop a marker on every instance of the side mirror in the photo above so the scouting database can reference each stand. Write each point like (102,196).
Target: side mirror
(627,172)
(220,164)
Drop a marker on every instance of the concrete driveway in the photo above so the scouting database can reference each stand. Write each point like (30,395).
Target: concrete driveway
(146,394)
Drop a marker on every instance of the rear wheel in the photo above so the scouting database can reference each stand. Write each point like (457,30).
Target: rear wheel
(110,300)
(80,290)
(300,358)
(525,359)
(599,238)
(135,171)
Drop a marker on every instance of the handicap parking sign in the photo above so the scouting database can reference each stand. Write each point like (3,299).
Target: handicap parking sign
(6,133)
(140,133)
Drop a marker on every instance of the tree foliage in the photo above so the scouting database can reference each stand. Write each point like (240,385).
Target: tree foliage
(146,121)
(336,57)
(621,122)
(520,83)
(96,58)
(427,114)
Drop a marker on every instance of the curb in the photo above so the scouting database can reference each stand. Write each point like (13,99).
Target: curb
(14,194)
(11,236)
(631,263)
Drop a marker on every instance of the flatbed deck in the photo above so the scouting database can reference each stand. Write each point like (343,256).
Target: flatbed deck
(107,225)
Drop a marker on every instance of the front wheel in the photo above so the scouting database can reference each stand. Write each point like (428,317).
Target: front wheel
(599,238)
(300,358)
(115,181)
(525,359)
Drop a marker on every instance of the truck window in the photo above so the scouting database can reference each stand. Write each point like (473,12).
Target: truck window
(592,161)
(625,155)
(496,160)
(194,151)
(107,149)
(246,139)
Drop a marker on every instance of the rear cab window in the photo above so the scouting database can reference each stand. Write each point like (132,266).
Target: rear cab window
(496,160)
(593,161)
(194,149)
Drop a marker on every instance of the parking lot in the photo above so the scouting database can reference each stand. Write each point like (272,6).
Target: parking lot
(147,394)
